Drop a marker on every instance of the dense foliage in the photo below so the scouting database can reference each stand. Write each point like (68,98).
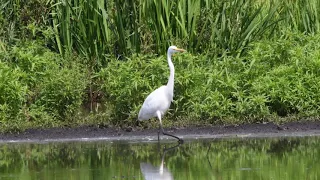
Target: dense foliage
(247,61)
(39,87)
(276,78)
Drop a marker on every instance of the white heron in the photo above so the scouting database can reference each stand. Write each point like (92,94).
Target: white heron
(158,102)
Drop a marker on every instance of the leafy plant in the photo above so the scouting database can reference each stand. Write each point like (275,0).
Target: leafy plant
(13,93)
(53,87)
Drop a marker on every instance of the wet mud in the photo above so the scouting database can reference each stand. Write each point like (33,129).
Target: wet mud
(88,133)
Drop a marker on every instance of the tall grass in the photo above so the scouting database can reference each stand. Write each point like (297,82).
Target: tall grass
(240,22)
(301,15)
(83,26)
(201,25)
(120,27)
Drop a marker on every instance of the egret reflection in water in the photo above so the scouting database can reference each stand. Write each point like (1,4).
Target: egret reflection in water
(151,172)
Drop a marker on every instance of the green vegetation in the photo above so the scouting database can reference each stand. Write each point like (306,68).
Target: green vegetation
(38,87)
(289,158)
(80,62)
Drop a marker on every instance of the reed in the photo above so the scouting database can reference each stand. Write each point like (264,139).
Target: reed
(119,27)
(82,26)
(301,15)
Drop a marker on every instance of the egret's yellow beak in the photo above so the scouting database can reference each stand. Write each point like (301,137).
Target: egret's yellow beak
(180,50)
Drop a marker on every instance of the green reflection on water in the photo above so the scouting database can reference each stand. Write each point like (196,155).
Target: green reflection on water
(270,158)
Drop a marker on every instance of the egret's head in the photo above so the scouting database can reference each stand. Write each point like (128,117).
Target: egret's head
(174,49)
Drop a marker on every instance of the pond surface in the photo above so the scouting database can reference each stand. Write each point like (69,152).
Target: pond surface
(245,158)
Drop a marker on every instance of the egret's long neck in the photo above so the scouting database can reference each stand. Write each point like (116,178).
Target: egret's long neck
(171,77)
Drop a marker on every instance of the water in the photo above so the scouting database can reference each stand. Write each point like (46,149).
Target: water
(243,158)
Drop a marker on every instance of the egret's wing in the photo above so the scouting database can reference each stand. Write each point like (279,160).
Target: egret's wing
(157,100)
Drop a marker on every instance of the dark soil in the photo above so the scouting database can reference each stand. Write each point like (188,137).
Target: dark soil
(105,132)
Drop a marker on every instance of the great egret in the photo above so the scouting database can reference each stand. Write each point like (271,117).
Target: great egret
(158,102)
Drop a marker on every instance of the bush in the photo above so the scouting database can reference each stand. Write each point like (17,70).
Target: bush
(292,82)
(62,91)
(53,86)
(13,93)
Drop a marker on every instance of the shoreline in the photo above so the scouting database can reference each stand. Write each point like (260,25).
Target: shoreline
(94,133)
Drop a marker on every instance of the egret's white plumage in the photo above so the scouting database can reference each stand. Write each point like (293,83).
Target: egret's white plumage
(158,102)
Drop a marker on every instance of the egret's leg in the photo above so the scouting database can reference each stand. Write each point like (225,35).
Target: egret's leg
(164,133)
(159,117)
(160,124)
(159,133)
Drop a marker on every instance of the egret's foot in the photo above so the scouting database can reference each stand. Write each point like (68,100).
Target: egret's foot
(180,141)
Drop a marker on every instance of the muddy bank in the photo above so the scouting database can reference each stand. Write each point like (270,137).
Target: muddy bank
(303,128)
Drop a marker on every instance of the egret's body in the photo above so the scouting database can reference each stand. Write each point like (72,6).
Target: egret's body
(158,102)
